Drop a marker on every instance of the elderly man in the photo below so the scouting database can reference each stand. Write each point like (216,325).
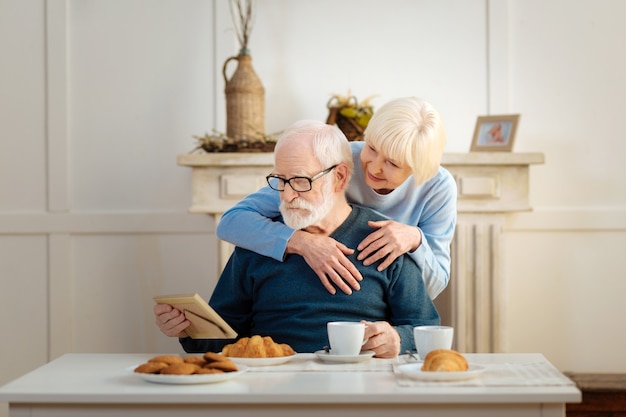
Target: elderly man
(259,295)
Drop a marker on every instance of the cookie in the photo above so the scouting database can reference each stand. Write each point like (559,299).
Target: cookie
(196,360)
(226,366)
(180,369)
(151,367)
(204,371)
(169,359)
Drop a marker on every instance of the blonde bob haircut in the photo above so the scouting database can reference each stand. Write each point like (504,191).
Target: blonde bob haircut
(330,145)
(410,132)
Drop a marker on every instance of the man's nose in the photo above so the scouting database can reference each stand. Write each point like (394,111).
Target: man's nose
(288,193)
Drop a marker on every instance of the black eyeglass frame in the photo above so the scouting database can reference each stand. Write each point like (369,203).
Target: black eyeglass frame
(286,181)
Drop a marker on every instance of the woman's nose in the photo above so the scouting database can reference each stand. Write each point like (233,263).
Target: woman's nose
(376,165)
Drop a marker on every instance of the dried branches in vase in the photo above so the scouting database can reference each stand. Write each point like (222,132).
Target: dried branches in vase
(245,96)
(242,14)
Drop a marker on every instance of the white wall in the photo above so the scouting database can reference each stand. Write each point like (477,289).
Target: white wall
(97,98)
(564,266)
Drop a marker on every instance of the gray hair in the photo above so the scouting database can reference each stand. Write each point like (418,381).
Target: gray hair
(330,145)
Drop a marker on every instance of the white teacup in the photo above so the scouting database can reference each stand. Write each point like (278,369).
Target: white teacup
(345,337)
(428,338)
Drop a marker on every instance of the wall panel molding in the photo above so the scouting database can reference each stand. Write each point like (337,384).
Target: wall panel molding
(593,219)
(225,47)
(104,223)
(57,140)
(60,298)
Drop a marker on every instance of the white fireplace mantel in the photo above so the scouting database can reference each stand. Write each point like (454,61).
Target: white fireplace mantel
(490,186)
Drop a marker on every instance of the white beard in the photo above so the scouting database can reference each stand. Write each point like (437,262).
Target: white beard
(312,214)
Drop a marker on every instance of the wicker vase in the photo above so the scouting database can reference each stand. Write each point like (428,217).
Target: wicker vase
(245,100)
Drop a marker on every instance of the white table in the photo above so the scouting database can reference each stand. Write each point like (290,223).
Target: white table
(104,385)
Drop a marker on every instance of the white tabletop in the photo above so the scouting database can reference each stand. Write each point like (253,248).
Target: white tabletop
(108,378)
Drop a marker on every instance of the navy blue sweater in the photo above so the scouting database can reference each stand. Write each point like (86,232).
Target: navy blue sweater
(285,300)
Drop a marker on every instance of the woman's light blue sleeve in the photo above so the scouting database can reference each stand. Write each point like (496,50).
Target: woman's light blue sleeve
(250,224)
(437,224)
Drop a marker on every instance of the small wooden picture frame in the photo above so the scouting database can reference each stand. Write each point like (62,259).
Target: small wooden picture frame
(205,322)
(495,133)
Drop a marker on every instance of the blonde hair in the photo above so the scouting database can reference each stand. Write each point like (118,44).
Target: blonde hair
(409,131)
(330,146)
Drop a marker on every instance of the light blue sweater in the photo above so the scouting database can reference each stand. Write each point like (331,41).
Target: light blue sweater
(430,206)
(285,300)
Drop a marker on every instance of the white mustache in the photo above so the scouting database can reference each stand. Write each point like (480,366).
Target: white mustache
(298,204)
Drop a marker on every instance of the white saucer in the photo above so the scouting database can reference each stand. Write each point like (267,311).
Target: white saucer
(329,357)
(414,371)
(261,361)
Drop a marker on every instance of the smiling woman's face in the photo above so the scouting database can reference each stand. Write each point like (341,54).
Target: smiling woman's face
(382,174)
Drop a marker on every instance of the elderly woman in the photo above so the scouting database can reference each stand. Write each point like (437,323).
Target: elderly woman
(398,173)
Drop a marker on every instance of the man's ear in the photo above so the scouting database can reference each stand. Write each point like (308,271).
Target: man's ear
(341,176)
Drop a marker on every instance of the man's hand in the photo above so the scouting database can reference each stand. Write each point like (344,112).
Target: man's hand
(382,338)
(327,258)
(390,240)
(171,321)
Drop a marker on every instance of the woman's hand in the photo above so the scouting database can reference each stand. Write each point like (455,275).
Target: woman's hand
(382,338)
(328,259)
(389,241)
(171,321)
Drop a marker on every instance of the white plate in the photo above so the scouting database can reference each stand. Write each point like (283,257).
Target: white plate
(329,357)
(261,361)
(191,379)
(414,371)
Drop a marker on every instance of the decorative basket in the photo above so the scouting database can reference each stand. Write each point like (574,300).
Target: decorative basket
(349,126)
(350,115)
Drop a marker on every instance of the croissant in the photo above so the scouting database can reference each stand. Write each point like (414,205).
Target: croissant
(444,360)
(257,347)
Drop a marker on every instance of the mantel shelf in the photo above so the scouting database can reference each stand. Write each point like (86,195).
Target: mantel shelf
(487,182)
(492,158)
(267,158)
(220,159)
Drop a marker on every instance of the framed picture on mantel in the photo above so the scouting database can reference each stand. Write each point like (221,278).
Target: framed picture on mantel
(495,133)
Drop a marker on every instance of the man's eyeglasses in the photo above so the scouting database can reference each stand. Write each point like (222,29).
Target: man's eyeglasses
(298,184)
